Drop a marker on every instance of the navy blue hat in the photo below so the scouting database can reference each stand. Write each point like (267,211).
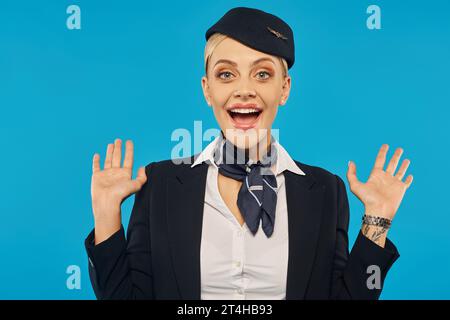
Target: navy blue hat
(259,30)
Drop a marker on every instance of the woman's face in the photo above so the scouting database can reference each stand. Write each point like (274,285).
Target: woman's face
(244,87)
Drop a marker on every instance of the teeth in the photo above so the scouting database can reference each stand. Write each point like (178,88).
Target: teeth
(241,110)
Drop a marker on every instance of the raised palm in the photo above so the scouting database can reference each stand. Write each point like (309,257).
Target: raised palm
(384,190)
(112,185)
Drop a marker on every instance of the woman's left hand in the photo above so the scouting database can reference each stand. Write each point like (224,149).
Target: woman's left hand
(383,192)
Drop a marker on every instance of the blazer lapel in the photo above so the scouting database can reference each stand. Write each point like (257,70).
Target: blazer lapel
(185,200)
(304,201)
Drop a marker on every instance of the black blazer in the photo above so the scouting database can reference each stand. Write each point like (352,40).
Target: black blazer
(160,258)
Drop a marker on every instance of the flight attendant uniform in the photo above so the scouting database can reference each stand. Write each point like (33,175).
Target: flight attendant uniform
(184,243)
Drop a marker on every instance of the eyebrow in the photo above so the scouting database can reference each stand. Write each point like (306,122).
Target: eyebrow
(235,64)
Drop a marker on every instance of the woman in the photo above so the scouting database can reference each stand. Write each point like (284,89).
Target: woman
(242,219)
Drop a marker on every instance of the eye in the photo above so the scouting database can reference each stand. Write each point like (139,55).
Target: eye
(265,74)
(226,75)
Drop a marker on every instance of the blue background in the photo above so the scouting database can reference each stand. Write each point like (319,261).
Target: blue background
(133,71)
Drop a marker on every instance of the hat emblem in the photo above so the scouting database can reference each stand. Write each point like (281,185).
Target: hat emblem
(278,34)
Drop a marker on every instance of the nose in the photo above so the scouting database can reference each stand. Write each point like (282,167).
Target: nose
(244,92)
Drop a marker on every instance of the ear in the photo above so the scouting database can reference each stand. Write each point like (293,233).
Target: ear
(205,87)
(286,89)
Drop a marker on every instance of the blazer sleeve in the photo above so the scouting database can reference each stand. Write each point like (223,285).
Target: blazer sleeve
(120,268)
(350,270)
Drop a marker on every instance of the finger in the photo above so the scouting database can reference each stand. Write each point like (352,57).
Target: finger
(351,175)
(117,154)
(381,157)
(402,170)
(108,158)
(141,178)
(394,161)
(408,181)
(96,163)
(128,161)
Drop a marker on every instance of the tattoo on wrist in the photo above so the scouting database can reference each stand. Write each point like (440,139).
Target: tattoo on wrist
(376,235)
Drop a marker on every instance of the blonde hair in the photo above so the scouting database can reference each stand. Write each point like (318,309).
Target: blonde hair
(217,38)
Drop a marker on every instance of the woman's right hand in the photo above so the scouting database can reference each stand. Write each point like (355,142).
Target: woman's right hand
(111,186)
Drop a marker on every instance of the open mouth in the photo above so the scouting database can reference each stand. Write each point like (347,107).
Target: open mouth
(244,118)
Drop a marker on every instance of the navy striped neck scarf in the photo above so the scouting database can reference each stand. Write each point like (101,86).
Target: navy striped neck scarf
(257,197)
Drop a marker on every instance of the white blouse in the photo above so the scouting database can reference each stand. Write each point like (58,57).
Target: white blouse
(235,264)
